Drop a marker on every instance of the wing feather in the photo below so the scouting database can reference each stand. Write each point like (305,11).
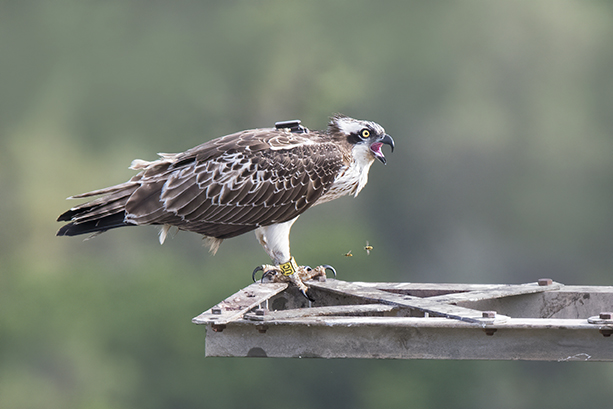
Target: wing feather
(227,186)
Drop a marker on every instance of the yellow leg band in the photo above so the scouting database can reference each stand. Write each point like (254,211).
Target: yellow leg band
(289,268)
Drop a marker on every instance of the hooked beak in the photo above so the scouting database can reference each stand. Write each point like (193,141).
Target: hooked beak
(375,148)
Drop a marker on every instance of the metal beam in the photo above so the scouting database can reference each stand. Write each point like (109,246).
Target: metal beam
(412,338)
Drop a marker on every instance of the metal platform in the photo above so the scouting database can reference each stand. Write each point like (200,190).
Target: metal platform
(543,320)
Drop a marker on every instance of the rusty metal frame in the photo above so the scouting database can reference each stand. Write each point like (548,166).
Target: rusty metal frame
(543,320)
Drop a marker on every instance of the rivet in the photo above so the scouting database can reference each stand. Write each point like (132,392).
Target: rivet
(261,328)
(216,311)
(488,314)
(260,311)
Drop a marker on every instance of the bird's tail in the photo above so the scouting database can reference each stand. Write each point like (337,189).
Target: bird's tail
(106,212)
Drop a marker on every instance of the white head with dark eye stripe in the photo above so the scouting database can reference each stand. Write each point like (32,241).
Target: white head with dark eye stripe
(362,133)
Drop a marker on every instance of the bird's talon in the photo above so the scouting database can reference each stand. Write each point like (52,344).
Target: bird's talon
(329,267)
(306,295)
(267,271)
(258,268)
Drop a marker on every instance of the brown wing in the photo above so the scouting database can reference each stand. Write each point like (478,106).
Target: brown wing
(237,183)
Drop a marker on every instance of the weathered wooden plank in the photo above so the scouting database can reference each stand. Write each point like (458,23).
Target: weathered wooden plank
(500,291)
(236,305)
(426,305)
(338,310)
(440,322)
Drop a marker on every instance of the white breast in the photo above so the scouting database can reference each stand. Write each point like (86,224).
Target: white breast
(351,179)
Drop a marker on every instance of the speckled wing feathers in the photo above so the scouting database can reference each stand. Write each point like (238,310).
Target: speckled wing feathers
(227,186)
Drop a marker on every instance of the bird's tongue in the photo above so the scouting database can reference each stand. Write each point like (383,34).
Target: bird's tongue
(376,149)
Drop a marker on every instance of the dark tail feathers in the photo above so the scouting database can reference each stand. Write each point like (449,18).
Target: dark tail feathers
(102,214)
(93,226)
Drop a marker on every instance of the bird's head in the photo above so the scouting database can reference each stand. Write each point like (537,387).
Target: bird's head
(361,133)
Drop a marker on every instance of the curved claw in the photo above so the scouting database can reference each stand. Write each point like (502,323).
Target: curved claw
(258,268)
(329,267)
(307,296)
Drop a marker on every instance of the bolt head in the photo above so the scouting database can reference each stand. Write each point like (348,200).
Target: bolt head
(545,281)
(260,311)
(606,332)
(489,331)
(489,314)
(606,315)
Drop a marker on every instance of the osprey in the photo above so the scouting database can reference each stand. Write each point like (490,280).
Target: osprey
(258,179)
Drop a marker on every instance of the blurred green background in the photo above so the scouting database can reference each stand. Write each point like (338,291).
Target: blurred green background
(502,116)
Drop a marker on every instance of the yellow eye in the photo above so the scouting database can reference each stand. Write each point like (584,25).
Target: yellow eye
(365,133)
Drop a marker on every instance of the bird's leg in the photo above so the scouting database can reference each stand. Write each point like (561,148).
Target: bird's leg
(291,272)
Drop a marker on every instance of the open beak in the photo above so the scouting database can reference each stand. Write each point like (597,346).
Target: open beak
(376,147)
